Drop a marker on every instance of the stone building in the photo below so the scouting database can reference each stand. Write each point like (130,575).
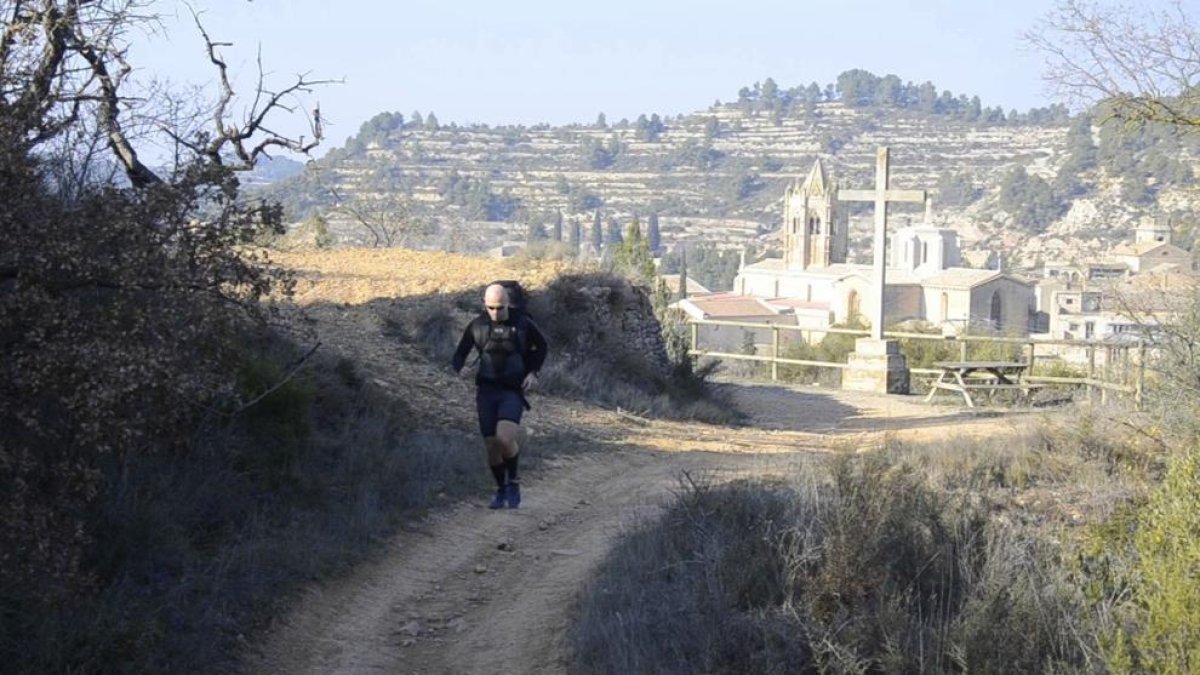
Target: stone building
(1090,299)
(924,281)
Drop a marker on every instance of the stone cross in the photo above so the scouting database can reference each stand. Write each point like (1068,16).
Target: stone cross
(881,196)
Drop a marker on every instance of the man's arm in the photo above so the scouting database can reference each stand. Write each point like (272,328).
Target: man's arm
(464,348)
(538,348)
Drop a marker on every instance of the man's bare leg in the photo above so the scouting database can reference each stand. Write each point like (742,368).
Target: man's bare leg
(508,448)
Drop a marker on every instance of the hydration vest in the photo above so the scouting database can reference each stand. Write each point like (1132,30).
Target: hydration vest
(502,349)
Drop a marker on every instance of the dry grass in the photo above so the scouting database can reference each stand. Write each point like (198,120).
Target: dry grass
(946,557)
(356,276)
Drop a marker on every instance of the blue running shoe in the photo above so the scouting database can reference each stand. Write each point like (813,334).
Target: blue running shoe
(514,495)
(498,500)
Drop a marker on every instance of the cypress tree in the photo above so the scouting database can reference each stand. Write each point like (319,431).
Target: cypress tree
(597,232)
(652,234)
(574,235)
(683,273)
(613,236)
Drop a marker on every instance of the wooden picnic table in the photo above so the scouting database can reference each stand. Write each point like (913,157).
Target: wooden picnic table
(967,376)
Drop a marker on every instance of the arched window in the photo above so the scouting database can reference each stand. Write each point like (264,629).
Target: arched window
(997,313)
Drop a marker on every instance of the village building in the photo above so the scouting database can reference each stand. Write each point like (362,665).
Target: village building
(1093,299)
(814,286)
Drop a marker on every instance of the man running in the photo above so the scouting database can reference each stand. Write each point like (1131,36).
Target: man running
(511,352)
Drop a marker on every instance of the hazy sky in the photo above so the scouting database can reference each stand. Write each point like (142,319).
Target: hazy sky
(566,61)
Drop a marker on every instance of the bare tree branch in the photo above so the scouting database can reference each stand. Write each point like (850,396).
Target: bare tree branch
(266,102)
(1142,64)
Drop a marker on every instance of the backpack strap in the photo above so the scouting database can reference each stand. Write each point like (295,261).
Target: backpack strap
(481,331)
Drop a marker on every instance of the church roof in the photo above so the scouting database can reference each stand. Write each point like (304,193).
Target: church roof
(964,277)
(672,281)
(894,276)
(728,306)
(798,303)
(1142,247)
(836,271)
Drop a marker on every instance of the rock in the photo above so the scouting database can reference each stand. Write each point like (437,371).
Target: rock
(481,569)
(411,628)
(505,546)
(458,625)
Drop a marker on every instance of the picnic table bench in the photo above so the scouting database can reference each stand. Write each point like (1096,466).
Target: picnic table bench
(990,376)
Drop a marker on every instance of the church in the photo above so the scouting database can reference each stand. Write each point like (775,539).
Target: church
(814,286)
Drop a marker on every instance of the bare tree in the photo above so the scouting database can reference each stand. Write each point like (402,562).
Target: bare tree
(383,219)
(1142,62)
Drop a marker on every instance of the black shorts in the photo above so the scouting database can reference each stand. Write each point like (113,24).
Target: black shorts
(495,404)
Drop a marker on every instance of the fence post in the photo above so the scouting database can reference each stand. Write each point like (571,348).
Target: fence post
(1091,375)
(1031,348)
(695,336)
(774,353)
(1141,376)
(962,350)
(1106,374)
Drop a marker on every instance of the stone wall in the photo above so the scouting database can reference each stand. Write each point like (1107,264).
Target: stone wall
(616,323)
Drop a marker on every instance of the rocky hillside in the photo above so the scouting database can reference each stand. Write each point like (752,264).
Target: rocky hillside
(717,175)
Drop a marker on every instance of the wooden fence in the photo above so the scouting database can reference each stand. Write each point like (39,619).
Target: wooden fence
(1122,370)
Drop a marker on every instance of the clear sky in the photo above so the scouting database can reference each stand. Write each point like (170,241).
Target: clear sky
(565,61)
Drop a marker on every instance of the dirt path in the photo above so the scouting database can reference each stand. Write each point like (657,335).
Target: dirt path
(469,588)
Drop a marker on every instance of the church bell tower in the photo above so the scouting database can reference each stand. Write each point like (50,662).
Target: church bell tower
(814,237)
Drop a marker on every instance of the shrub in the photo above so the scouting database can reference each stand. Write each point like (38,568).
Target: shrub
(856,566)
(1145,562)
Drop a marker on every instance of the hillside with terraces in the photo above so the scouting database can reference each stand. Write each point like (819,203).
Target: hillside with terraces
(715,176)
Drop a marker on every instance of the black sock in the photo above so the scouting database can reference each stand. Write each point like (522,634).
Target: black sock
(498,474)
(510,464)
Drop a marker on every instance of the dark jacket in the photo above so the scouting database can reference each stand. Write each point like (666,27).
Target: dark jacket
(508,351)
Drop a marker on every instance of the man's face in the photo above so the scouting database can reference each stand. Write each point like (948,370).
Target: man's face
(495,301)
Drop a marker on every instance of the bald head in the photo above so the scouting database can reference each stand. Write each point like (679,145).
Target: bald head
(495,299)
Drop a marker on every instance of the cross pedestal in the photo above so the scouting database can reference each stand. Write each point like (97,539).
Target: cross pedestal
(876,366)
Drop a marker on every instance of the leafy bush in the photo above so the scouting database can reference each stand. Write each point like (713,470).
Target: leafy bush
(1143,564)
